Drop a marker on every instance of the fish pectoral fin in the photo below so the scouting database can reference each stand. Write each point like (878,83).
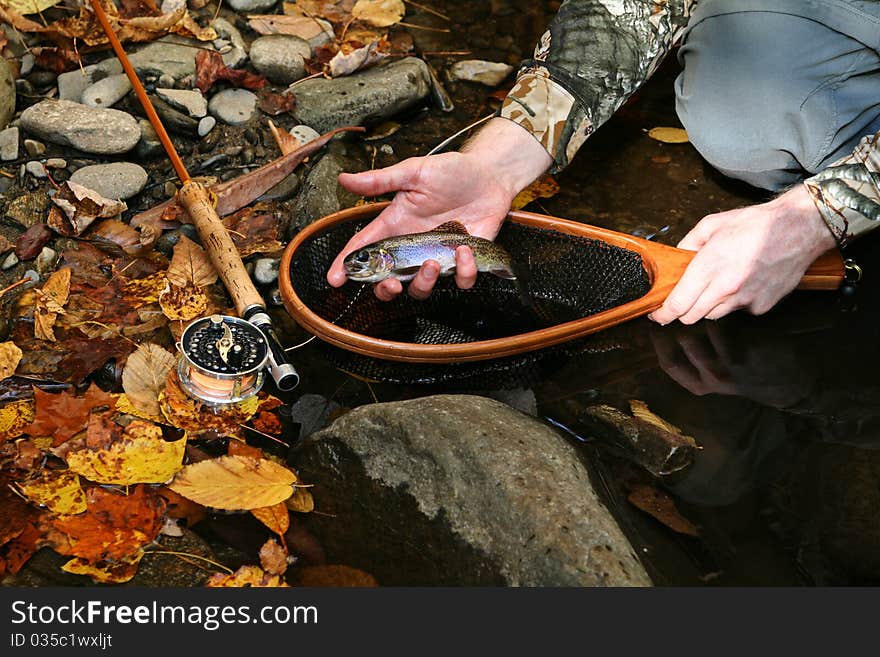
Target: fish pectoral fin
(503,272)
(451,227)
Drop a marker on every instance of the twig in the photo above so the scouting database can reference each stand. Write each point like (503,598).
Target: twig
(443,53)
(443,144)
(14,285)
(7,174)
(425,27)
(427,9)
(269,436)
(187,554)
(308,77)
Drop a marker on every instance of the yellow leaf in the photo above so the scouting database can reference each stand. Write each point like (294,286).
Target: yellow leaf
(275,517)
(142,456)
(57,490)
(123,405)
(144,291)
(235,483)
(669,135)
(246,576)
(50,302)
(301,501)
(544,187)
(106,572)
(144,377)
(190,265)
(14,417)
(184,303)
(380,13)
(29,6)
(10,356)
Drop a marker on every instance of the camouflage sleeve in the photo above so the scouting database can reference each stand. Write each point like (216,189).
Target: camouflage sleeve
(594,55)
(847,193)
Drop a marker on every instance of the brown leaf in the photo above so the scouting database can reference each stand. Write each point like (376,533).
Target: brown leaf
(335,11)
(274,104)
(273,557)
(275,517)
(332,576)
(133,241)
(246,576)
(29,244)
(190,265)
(192,416)
(85,356)
(17,513)
(106,572)
(183,303)
(78,207)
(57,60)
(10,357)
(255,230)
(305,27)
(210,68)
(113,527)
(239,448)
(50,303)
(544,187)
(658,504)
(181,508)
(353,57)
(235,483)
(62,415)
(381,13)
(144,377)
(301,501)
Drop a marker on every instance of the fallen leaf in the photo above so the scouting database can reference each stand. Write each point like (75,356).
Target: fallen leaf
(380,13)
(335,11)
(179,507)
(332,576)
(78,206)
(14,417)
(57,490)
(29,244)
(191,415)
(658,504)
(183,303)
(255,229)
(274,104)
(273,557)
(544,187)
(50,303)
(305,27)
(10,357)
(133,241)
(210,69)
(62,415)
(235,483)
(16,553)
(349,60)
(57,60)
(267,422)
(29,6)
(239,448)
(17,513)
(669,135)
(144,377)
(140,456)
(275,517)
(190,265)
(113,527)
(85,356)
(246,576)
(106,572)
(301,501)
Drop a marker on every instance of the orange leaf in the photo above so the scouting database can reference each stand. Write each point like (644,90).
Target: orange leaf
(246,576)
(275,517)
(658,504)
(273,557)
(62,415)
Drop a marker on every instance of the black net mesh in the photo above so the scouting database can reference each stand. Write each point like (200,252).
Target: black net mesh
(563,278)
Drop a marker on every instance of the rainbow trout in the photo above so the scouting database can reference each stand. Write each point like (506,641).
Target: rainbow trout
(401,256)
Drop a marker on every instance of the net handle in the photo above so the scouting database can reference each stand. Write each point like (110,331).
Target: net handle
(664,265)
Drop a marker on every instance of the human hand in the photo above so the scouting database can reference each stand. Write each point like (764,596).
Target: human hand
(747,258)
(474,187)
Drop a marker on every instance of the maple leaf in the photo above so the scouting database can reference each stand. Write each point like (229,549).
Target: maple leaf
(235,483)
(273,557)
(10,357)
(246,576)
(210,68)
(85,356)
(113,527)
(332,576)
(275,517)
(62,415)
(106,572)
(17,513)
(57,490)
(49,303)
(15,554)
(190,265)
(144,377)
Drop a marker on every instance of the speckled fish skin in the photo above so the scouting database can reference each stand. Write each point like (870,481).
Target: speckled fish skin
(401,256)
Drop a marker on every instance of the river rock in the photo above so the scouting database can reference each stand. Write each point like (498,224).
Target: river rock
(106,92)
(501,498)
(280,57)
(477,70)
(9,144)
(320,193)
(252,6)
(368,96)
(90,129)
(34,148)
(72,84)
(266,270)
(206,125)
(36,169)
(149,146)
(239,52)
(9,261)
(46,260)
(192,102)
(7,93)
(118,180)
(233,106)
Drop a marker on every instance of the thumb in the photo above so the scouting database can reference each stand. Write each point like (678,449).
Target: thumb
(381,181)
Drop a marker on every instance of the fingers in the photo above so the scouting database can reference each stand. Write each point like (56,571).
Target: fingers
(421,286)
(683,296)
(374,231)
(699,234)
(388,289)
(465,268)
(381,181)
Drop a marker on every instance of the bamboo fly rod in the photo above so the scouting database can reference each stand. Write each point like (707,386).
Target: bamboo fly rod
(221,250)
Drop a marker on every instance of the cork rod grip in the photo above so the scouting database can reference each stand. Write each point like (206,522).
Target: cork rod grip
(197,201)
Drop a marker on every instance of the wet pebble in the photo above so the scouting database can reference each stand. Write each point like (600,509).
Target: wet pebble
(9,144)
(117,180)
(33,279)
(206,125)
(251,6)
(233,106)
(192,102)
(27,64)
(477,70)
(24,87)
(387,149)
(170,189)
(166,80)
(149,146)
(9,261)
(90,129)
(106,92)
(34,148)
(31,242)
(274,297)
(165,244)
(46,260)
(36,169)
(7,93)
(304,134)
(281,58)
(237,54)
(213,161)
(247,155)
(266,270)
(42,79)
(56,163)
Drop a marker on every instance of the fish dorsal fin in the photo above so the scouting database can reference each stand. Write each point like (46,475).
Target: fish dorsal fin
(451,227)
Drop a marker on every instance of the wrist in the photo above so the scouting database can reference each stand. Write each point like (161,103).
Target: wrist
(510,153)
(796,206)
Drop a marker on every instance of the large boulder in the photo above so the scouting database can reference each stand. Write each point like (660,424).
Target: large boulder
(7,93)
(461,490)
(90,129)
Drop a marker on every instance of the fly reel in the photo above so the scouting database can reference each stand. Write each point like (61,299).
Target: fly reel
(222,359)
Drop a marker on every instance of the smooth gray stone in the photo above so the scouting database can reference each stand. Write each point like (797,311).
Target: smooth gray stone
(36,169)
(106,92)
(72,84)
(7,93)
(206,125)
(233,106)
(27,64)
(9,144)
(266,270)
(46,260)
(117,180)
(281,58)
(89,129)
(368,96)
(56,163)
(252,6)
(34,148)
(149,146)
(477,70)
(320,193)
(192,102)
(507,497)
(9,261)
(239,53)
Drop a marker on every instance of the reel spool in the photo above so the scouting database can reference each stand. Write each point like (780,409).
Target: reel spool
(222,359)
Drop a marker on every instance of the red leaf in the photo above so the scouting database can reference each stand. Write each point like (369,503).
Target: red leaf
(62,415)
(210,68)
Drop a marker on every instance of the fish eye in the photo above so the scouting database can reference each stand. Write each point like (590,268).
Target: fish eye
(362,256)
